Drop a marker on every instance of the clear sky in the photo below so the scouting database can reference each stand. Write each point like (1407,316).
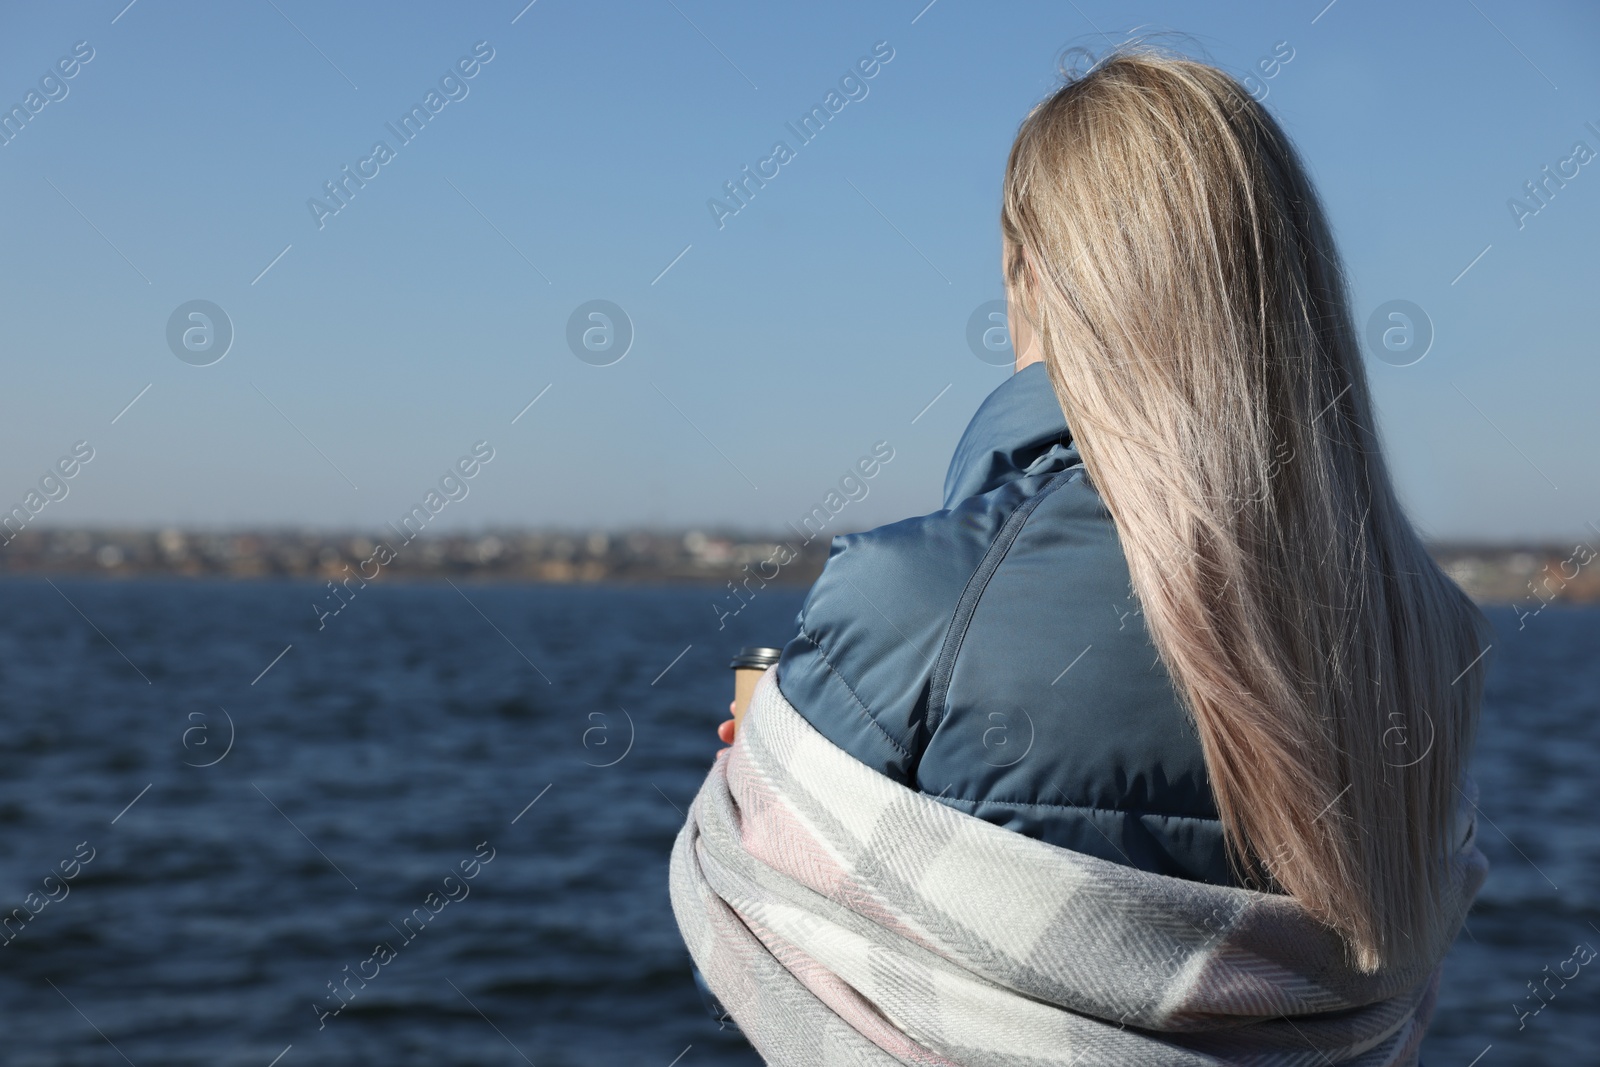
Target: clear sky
(373,345)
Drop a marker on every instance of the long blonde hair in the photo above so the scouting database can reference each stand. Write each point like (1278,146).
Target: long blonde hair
(1177,268)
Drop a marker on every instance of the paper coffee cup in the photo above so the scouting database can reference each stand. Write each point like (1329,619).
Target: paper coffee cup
(748,667)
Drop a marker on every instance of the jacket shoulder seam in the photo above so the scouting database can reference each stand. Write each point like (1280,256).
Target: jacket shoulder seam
(871,718)
(944,666)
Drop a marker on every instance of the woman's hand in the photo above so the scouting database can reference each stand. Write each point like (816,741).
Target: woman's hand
(725,731)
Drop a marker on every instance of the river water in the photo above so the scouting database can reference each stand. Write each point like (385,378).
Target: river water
(248,805)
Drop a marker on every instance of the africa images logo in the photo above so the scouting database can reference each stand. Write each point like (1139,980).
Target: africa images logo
(852,87)
(452,88)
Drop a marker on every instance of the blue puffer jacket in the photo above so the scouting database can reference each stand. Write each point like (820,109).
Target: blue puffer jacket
(991,654)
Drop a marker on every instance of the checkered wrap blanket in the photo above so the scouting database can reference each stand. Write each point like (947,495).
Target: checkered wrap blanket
(843,918)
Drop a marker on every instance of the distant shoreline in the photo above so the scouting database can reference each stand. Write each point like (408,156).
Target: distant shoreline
(1530,574)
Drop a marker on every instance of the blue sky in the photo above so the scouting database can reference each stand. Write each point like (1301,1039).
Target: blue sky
(774,351)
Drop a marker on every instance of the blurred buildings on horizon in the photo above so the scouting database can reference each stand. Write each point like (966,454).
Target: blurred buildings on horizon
(1534,574)
(512,555)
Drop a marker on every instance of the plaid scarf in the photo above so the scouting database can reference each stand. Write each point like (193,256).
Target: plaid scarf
(843,918)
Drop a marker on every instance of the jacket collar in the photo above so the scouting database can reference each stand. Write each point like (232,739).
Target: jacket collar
(1018,428)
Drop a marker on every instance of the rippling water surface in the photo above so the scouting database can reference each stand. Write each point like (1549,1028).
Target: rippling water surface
(409,737)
